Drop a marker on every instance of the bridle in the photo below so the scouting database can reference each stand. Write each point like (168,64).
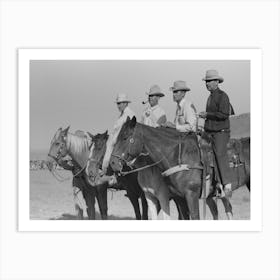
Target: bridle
(128,158)
(59,155)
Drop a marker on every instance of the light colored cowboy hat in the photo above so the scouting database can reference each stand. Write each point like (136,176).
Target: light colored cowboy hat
(155,90)
(213,75)
(122,98)
(180,85)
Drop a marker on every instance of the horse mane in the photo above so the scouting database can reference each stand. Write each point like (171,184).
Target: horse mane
(77,146)
(96,138)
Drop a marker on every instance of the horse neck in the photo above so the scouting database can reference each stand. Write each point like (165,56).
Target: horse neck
(156,153)
(98,155)
(77,149)
(163,150)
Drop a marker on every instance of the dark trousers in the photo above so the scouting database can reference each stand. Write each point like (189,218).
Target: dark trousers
(219,142)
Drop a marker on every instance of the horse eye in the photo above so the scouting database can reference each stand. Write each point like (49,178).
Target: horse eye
(131,140)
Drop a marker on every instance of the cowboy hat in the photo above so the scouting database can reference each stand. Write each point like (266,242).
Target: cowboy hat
(122,98)
(179,85)
(212,75)
(155,90)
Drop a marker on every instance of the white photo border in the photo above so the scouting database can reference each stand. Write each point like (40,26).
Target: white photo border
(24,58)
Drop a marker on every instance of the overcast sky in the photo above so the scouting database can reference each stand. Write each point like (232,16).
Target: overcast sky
(82,93)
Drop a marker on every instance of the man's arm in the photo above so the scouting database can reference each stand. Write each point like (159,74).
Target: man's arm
(223,109)
(190,119)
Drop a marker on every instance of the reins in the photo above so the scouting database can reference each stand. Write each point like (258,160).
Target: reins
(124,173)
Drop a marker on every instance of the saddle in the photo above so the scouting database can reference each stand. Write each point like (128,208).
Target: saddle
(236,158)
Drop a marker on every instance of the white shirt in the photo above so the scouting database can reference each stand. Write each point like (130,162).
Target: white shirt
(185,119)
(127,112)
(151,115)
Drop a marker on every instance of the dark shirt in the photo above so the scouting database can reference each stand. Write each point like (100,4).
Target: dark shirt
(218,110)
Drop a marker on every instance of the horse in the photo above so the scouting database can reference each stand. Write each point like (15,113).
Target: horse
(77,147)
(150,181)
(128,183)
(178,156)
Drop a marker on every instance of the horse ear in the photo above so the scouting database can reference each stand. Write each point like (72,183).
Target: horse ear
(127,119)
(91,135)
(133,121)
(65,131)
(106,132)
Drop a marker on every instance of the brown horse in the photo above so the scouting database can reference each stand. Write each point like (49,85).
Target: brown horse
(77,147)
(149,180)
(168,148)
(161,145)
(128,183)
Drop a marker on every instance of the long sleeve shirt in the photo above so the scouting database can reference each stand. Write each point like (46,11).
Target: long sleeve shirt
(185,119)
(151,115)
(114,135)
(218,110)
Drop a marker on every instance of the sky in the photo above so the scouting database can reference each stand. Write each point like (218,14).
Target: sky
(82,93)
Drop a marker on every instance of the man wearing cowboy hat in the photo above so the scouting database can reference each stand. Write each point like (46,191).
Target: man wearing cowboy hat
(154,115)
(185,118)
(218,110)
(122,104)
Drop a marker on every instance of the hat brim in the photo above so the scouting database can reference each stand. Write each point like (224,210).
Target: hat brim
(173,89)
(220,79)
(123,101)
(160,94)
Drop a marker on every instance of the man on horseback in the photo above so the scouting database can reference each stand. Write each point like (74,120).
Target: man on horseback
(122,104)
(185,118)
(153,114)
(217,125)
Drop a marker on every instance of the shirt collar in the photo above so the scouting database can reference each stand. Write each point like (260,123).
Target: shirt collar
(181,103)
(125,111)
(154,107)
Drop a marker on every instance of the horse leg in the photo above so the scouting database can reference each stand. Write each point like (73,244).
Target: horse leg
(101,195)
(80,205)
(153,204)
(79,212)
(228,207)
(135,203)
(90,201)
(182,207)
(212,205)
(192,199)
(163,198)
(248,185)
(144,206)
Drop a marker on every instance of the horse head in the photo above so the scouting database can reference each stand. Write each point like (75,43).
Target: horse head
(128,145)
(96,155)
(58,147)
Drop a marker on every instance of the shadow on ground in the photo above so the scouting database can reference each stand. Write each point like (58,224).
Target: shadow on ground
(67,216)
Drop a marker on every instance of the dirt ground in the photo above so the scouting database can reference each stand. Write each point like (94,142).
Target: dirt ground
(50,199)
